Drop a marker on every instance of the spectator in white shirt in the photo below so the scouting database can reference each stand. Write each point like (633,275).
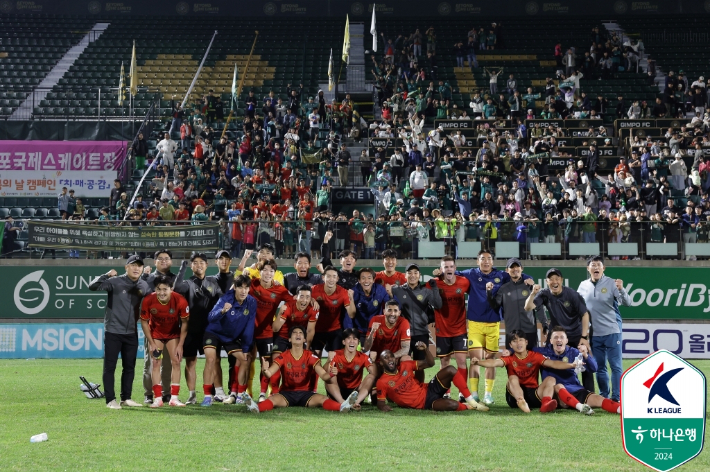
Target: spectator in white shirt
(167,148)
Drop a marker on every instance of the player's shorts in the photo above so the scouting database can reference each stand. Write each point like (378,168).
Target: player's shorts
(264,346)
(445,346)
(210,340)
(435,391)
(483,335)
(415,353)
(344,393)
(529,394)
(330,341)
(193,345)
(281,344)
(297,397)
(582,395)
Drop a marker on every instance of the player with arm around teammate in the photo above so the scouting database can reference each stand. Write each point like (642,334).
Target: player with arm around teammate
(346,371)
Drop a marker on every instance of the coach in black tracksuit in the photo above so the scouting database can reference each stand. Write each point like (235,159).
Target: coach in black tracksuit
(125,293)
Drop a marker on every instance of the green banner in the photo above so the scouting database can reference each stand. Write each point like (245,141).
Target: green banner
(49,234)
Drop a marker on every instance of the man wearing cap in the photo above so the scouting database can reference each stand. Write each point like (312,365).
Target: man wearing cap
(125,293)
(567,309)
(603,295)
(511,297)
(414,298)
(202,294)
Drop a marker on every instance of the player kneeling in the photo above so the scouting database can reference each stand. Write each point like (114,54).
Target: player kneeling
(399,385)
(164,316)
(230,327)
(298,366)
(346,371)
(522,389)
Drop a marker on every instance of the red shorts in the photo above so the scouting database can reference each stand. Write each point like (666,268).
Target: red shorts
(418,193)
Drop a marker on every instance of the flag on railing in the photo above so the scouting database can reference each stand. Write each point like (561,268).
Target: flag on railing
(373,29)
(331,79)
(134,72)
(234,87)
(121,88)
(311,157)
(346,41)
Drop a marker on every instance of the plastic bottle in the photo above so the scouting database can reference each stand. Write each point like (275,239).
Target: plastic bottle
(38,438)
(580,367)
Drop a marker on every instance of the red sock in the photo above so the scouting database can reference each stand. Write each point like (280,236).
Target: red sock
(567,398)
(175,389)
(331,405)
(461,407)
(459,381)
(548,405)
(241,388)
(233,385)
(266,405)
(274,382)
(264,383)
(157,391)
(610,406)
(207,389)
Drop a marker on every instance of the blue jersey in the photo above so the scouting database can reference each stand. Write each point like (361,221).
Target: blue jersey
(237,323)
(478,307)
(368,306)
(565,377)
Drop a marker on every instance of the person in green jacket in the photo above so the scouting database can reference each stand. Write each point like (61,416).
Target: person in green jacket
(589,229)
(442,110)
(198,216)
(489,110)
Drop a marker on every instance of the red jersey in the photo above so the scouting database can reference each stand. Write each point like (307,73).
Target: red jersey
(164,320)
(350,372)
(397,278)
(389,338)
(301,191)
(296,374)
(450,319)
(526,369)
(402,388)
(285,193)
(267,301)
(181,215)
(279,209)
(294,317)
(331,307)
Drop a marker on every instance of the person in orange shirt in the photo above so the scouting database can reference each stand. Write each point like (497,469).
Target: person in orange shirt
(390,276)
(181,214)
(622,166)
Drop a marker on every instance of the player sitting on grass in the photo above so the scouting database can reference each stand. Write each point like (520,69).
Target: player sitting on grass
(346,370)
(230,327)
(297,367)
(522,390)
(162,314)
(568,387)
(399,385)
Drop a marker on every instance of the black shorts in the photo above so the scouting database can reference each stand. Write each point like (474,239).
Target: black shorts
(330,341)
(582,395)
(363,338)
(435,391)
(529,394)
(297,398)
(415,353)
(193,344)
(264,346)
(445,346)
(344,393)
(281,344)
(211,340)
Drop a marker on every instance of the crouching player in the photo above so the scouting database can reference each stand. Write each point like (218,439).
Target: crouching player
(568,389)
(523,366)
(164,316)
(230,326)
(399,385)
(346,370)
(297,366)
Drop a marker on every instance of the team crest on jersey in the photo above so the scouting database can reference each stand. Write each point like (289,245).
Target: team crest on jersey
(604,290)
(305,316)
(303,366)
(273,295)
(171,311)
(458,290)
(525,293)
(209,341)
(340,365)
(391,383)
(438,350)
(528,365)
(288,364)
(404,374)
(496,280)
(334,302)
(566,304)
(209,289)
(470,343)
(357,367)
(515,364)
(153,311)
(246,312)
(375,303)
(319,298)
(565,359)
(420,297)
(380,332)
(293,317)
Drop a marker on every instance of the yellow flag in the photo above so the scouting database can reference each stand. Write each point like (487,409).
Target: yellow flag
(121,87)
(331,79)
(346,41)
(134,72)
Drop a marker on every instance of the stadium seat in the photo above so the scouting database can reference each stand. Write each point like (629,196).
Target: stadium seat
(16,212)
(54,213)
(4,213)
(41,213)
(28,213)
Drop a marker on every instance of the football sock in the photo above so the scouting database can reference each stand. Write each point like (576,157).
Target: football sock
(266,405)
(234,383)
(192,395)
(274,382)
(174,389)
(489,385)
(459,381)
(207,389)
(461,407)
(219,391)
(157,391)
(611,406)
(568,399)
(241,388)
(331,405)
(473,384)
(264,384)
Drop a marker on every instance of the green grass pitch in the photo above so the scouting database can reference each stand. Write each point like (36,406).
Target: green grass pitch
(43,396)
